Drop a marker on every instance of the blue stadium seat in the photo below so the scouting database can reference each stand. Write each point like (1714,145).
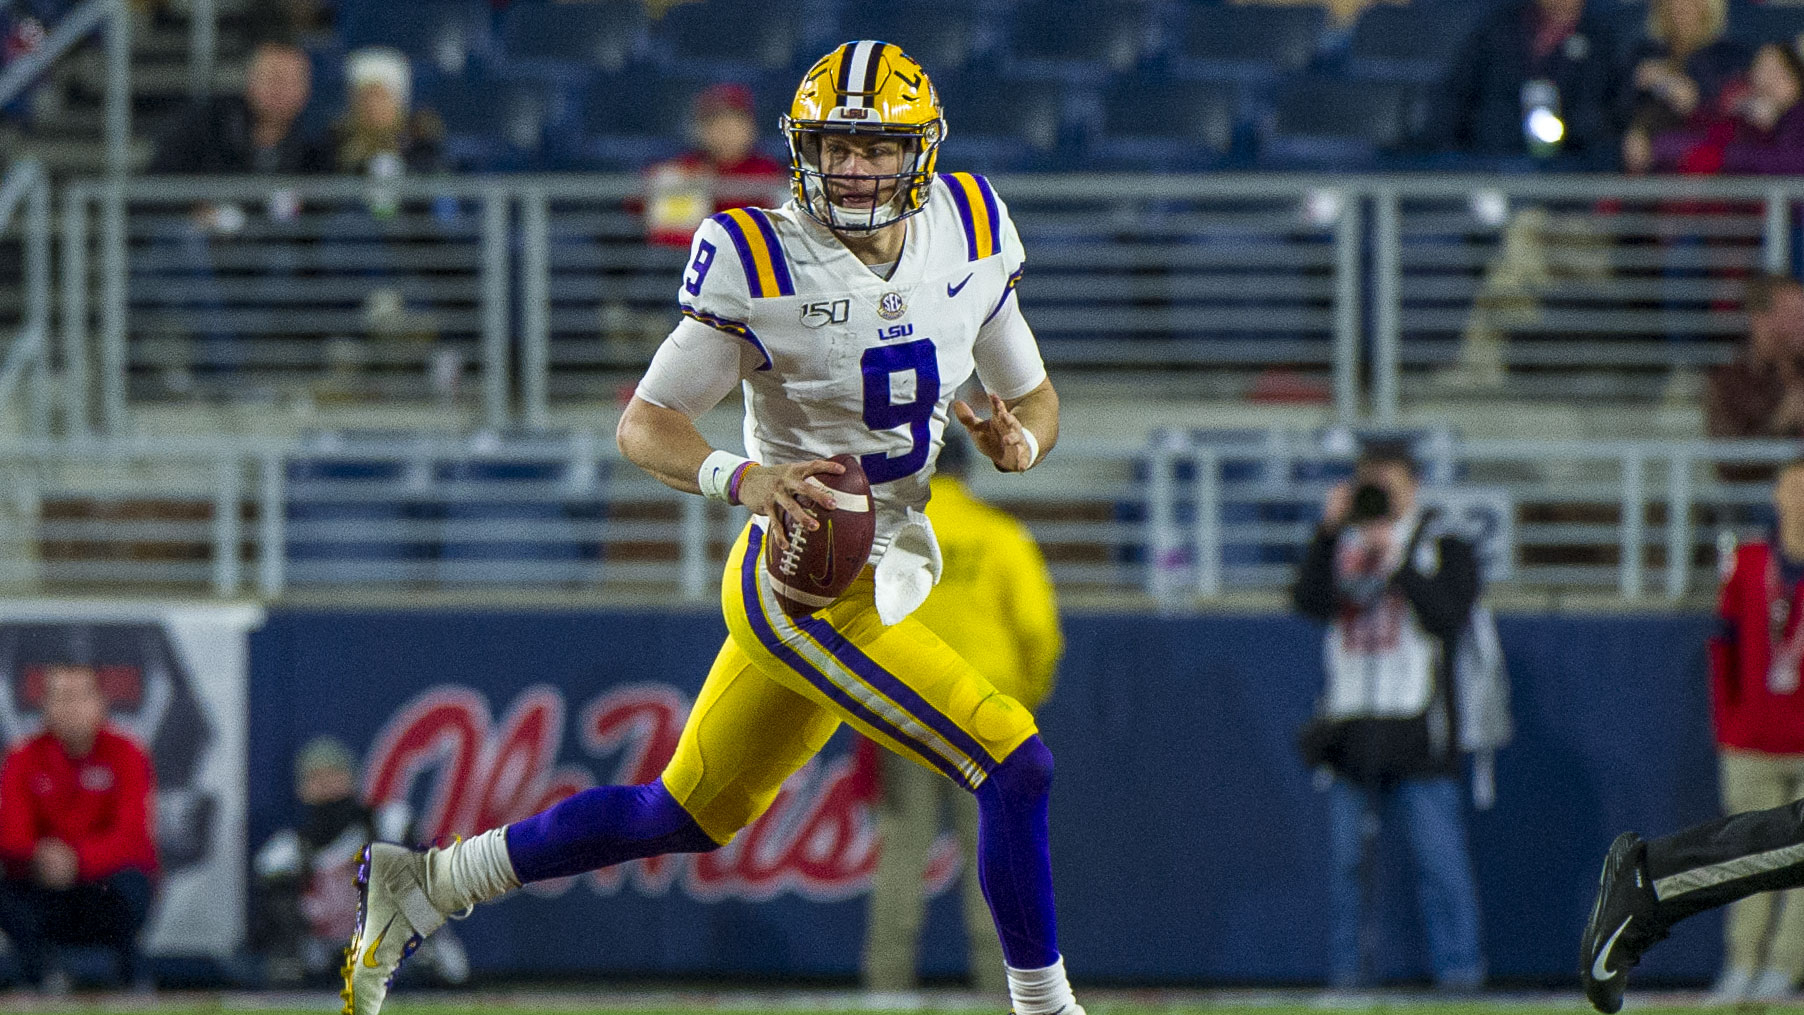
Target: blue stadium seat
(645,103)
(730,40)
(1079,40)
(942,38)
(637,117)
(1761,23)
(1166,125)
(1331,121)
(327,100)
(598,33)
(438,32)
(490,122)
(1413,44)
(1253,44)
(995,125)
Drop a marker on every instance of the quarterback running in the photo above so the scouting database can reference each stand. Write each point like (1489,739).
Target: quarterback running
(849,316)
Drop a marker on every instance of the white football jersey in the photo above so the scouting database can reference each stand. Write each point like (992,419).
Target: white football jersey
(839,360)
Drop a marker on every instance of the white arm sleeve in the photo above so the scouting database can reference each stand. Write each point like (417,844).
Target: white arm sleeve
(1008,358)
(695,367)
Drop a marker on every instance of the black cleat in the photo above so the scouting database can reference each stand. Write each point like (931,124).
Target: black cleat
(1622,926)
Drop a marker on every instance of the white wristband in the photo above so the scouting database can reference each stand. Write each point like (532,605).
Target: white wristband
(1033,447)
(716,472)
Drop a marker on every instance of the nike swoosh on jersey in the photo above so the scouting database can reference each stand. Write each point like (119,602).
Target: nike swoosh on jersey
(1600,968)
(369,954)
(953,290)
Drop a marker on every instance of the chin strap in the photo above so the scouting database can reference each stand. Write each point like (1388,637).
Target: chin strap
(908,569)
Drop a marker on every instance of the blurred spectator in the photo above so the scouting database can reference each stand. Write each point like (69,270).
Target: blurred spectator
(1533,79)
(257,132)
(1760,132)
(303,901)
(1015,641)
(76,812)
(1396,594)
(725,171)
(380,133)
(1758,711)
(1678,70)
(1761,392)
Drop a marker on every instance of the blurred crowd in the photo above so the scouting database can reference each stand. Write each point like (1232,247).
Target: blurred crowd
(1663,86)
(1542,78)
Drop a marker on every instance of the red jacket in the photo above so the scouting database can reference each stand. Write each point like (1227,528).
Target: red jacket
(102,805)
(756,180)
(1749,716)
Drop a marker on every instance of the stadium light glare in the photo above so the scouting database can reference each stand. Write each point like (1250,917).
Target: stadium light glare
(1546,127)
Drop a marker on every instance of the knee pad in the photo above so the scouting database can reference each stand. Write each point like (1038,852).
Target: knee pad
(1026,773)
(999,722)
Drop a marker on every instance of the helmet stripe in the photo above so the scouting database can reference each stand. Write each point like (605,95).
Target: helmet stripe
(858,70)
(842,82)
(872,63)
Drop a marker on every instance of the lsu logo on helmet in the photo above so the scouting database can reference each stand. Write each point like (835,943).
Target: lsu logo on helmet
(870,89)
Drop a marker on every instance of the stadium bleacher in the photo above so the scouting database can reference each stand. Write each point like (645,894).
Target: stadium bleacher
(554,69)
(376,416)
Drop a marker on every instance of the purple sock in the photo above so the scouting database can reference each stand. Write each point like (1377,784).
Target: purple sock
(1014,856)
(601,827)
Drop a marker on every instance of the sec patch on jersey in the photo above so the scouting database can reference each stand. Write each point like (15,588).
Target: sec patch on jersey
(820,565)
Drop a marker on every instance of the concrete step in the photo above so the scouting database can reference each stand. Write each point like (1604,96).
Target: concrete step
(86,71)
(71,156)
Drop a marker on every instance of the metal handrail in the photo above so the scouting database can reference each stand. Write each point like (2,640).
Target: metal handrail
(25,366)
(1184,559)
(67,34)
(115,15)
(1363,295)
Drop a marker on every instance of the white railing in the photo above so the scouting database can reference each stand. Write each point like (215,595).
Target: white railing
(24,372)
(1189,518)
(510,295)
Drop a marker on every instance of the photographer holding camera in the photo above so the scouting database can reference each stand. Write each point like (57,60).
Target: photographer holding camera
(1396,594)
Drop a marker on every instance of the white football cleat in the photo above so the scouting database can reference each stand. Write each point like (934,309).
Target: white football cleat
(394,917)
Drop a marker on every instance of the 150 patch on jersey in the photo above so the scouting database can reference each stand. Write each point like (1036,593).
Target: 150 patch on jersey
(825,312)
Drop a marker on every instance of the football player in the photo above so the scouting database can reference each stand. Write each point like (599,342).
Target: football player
(1647,885)
(850,316)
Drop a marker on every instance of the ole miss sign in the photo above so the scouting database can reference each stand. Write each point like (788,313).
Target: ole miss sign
(467,771)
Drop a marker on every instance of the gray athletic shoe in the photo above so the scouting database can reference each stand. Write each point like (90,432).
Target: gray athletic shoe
(394,917)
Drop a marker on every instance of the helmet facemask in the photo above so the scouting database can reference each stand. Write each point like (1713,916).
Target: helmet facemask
(815,189)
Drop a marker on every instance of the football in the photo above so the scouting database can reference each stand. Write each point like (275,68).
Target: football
(820,565)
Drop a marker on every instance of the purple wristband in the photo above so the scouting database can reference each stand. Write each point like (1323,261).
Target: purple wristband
(733,481)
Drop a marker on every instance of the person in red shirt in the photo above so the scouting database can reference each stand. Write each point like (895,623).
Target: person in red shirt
(76,806)
(1758,708)
(726,170)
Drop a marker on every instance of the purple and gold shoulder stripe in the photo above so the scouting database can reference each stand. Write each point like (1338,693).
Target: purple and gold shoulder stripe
(976,204)
(766,270)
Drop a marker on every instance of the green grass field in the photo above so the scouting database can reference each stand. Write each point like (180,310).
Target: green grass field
(772,1003)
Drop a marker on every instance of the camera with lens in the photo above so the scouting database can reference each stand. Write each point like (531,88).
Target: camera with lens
(1370,503)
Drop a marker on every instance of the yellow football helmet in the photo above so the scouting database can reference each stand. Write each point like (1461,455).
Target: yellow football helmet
(870,89)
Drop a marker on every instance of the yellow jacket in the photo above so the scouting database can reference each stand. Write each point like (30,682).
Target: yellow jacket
(994,604)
